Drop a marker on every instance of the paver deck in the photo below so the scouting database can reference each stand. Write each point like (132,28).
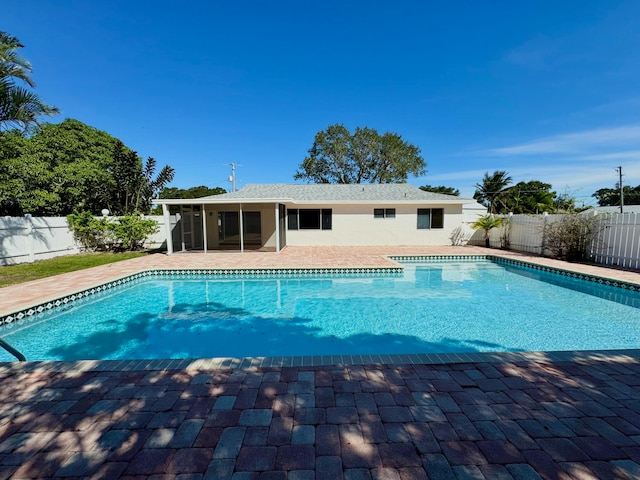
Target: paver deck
(520,418)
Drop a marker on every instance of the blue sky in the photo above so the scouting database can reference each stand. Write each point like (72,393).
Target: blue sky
(545,90)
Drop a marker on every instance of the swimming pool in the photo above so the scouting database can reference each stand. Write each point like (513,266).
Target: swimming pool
(430,307)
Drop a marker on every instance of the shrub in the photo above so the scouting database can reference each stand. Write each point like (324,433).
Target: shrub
(125,233)
(570,237)
(91,232)
(487,223)
(132,230)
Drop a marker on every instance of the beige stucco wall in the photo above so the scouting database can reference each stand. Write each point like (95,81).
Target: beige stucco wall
(355,225)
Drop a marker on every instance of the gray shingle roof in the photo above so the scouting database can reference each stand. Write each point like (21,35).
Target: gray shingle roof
(386,192)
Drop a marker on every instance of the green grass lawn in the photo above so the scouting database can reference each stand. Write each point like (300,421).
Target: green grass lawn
(25,272)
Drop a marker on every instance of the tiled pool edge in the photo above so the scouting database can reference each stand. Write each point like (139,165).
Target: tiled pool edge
(25,313)
(288,271)
(309,362)
(522,263)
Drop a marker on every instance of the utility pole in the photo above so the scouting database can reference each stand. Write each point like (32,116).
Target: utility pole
(232,177)
(619,169)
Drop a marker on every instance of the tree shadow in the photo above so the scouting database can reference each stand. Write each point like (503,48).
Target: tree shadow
(214,330)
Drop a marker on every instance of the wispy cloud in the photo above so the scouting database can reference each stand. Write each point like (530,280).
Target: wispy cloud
(573,143)
(535,54)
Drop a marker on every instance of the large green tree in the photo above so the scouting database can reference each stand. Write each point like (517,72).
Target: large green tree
(19,106)
(60,168)
(135,183)
(337,156)
(610,197)
(490,191)
(528,197)
(72,166)
(193,192)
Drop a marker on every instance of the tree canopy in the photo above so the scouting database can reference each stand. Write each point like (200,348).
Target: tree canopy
(491,190)
(19,106)
(337,156)
(529,197)
(498,194)
(610,197)
(441,189)
(193,192)
(72,166)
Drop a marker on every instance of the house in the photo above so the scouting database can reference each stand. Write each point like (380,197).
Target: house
(270,216)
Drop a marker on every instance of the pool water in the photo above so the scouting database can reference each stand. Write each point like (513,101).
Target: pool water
(429,308)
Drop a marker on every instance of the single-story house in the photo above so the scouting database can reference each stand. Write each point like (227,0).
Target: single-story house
(270,216)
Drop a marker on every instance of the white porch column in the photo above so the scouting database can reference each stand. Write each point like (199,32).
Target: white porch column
(241,231)
(184,247)
(167,228)
(204,229)
(277,228)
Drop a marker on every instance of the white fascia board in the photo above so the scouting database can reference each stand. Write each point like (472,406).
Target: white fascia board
(215,201)
(383,202)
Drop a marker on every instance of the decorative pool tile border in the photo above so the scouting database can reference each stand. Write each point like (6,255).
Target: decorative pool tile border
(438,258)
(60,304)
(35,312)
(632,287)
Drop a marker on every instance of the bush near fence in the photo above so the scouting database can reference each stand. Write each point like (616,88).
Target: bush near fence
(617,242)
(26,239)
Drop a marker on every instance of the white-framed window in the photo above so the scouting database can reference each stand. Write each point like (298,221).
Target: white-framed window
(309,219)
(384,213)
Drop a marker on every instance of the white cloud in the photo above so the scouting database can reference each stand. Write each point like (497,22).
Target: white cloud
(573,143)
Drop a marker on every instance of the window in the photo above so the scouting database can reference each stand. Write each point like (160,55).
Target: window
(292,217)
(309,219)
(429,218)
(384,213)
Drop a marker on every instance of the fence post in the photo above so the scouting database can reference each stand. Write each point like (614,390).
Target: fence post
(544,231)
(31,241)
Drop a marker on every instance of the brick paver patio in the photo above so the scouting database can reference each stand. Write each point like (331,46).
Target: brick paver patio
(526,420)
(577,417)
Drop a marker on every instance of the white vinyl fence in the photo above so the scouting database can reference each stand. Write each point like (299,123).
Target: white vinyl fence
(616,243)
(26,239)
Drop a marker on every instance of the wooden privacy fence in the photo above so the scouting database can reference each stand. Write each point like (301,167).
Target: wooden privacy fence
(616,243)
(26,239)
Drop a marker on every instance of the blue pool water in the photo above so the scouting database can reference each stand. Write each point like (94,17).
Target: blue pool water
(429,308)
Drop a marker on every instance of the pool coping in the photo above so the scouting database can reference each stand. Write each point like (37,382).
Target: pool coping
(255,363)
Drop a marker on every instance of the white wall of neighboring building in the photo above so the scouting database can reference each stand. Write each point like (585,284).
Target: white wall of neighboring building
(356,225)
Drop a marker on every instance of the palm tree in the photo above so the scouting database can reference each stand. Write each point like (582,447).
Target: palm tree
(19,107)
(492,188)
(486,223)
